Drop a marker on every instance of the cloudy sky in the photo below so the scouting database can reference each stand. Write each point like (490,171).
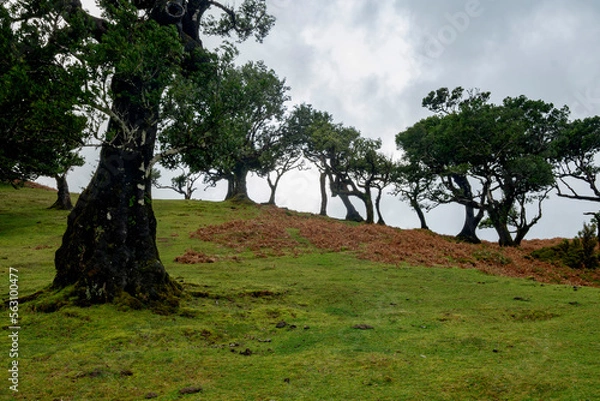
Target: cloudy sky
(370,62)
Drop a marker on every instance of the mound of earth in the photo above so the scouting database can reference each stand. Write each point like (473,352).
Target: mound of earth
(278,232)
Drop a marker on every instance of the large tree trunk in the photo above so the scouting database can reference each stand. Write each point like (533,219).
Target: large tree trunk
(63,200)
(109,247)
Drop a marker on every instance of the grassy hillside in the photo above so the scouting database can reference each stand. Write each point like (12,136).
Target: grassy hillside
(286,306)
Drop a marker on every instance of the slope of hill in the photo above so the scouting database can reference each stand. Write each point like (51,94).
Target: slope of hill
(285,306)
(277,232)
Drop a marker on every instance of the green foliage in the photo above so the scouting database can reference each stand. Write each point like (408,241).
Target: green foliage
(504,149)
(38,90)
(576,150)
(579,253)
(232,127)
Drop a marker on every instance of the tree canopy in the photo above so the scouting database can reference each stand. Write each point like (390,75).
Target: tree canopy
(503,149)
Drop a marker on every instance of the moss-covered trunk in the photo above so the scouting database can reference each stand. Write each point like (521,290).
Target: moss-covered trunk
(110,244)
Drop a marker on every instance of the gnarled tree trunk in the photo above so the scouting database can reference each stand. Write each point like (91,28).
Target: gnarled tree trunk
(109,247)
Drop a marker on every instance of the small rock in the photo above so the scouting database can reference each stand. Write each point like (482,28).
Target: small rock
(306,327)
(246,352)
(363,327)
(126,372)
(150,396)
(190,390)
(286,380)
(281,325)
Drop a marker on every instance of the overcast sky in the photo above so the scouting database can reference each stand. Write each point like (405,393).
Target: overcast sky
(370,62)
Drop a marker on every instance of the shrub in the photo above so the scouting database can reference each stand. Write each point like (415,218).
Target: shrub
(580,253)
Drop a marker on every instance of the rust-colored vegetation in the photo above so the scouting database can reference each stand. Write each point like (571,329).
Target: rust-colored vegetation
(279,232)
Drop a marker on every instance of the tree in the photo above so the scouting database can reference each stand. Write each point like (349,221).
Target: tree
(331,147)
(251,138)
(63,199)
(132,56)
(304,124)
(183,184)
(503,149)
(38,126)
(289,158)
(412,184)
(359,171)
(577,148)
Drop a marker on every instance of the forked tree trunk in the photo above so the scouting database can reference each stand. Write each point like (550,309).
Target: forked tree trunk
(109,247)
(63,199)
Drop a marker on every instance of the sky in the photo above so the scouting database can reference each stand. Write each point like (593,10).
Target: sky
(370,62)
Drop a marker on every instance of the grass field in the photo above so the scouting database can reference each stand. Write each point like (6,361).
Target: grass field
(304,324)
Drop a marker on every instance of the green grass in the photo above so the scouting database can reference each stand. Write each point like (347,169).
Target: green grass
(438,334)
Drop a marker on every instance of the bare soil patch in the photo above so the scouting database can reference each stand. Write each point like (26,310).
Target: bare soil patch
(278,232)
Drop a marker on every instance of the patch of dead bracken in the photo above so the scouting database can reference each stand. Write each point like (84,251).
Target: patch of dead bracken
(271,234)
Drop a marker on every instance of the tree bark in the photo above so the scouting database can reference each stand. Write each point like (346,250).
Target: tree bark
(63,200)
(238,189)
(109,247)
(273,186)
(323,187)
